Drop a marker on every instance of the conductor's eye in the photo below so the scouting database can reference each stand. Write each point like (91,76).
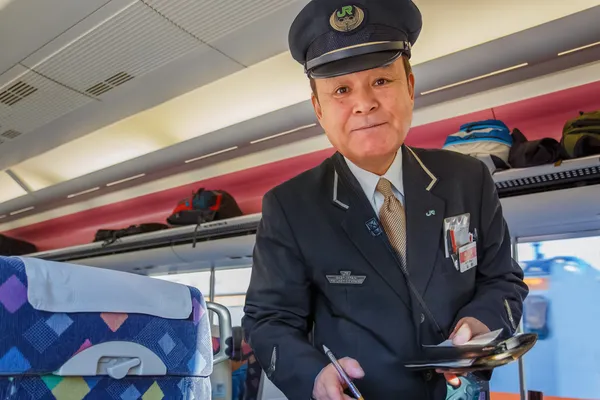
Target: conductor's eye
(341,90)
(381,81)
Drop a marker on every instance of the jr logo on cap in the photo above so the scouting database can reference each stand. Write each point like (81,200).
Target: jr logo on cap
(347,18)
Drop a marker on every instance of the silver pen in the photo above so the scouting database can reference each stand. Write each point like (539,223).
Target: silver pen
(343,374)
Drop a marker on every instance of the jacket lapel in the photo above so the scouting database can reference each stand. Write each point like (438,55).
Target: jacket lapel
(424,219)
(361,224)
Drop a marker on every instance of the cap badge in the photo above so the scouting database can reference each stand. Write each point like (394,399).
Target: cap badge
(347,18)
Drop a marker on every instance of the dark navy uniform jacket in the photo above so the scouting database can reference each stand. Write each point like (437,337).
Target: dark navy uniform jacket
(319,237)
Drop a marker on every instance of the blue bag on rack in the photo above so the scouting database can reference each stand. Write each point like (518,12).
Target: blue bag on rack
(489,140)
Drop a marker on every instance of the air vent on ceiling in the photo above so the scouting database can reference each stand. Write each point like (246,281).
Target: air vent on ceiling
(109,84)
(570,177)
(16,93)
(11,134)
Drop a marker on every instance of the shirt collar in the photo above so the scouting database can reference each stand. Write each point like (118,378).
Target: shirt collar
(368,180)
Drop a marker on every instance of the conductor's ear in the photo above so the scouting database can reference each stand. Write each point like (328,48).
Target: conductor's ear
(317,106)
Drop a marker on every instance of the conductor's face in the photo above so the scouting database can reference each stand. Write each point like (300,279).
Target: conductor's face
(367,115)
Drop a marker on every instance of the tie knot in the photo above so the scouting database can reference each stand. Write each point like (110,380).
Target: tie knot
(385,188)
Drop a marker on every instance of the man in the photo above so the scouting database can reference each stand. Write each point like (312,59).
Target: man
(336,243)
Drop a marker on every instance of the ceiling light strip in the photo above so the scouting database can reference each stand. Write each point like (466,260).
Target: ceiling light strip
(578,48)
(84,192)
(125,180)
(2,216)
(476,78)
(22,210)
(283,133)
(211,154)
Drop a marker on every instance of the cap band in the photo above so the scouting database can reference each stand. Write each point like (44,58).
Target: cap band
(353,51)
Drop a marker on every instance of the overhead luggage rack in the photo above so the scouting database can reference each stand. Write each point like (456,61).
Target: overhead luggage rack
(568,174)
(244,225)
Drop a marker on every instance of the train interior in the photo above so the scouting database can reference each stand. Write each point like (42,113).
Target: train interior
(114,111)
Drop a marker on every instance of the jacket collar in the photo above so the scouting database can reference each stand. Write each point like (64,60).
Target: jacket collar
(412,166)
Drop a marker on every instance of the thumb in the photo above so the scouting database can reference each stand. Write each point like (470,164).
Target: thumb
(352,368)
(463,335)
(452,380)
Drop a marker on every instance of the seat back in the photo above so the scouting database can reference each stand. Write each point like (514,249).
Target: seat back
(74,331)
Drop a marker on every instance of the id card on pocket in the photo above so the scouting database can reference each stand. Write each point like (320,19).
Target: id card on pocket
(467,256)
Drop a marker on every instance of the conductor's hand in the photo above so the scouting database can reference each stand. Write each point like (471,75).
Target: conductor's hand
(329,385)
(466,329)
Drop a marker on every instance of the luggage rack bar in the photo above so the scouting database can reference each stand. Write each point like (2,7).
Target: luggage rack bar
(238,226)
(544,178)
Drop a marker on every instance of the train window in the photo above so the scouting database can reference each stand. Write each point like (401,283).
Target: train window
(564,281)
(200,280)
(232,281)
(230,290)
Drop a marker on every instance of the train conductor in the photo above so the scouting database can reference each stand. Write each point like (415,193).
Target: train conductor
(383,247)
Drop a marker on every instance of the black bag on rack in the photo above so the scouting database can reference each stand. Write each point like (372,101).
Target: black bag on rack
(15,247)
(205,206)
(525,153)
(111,235)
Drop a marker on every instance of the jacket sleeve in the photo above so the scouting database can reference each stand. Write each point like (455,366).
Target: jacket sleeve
(277,318)
(500,290)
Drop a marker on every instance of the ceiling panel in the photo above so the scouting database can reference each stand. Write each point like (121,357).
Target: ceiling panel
(31,101)
(194,69)
(131,43)
(210,20)
(256,42)
(27,25)
(197,112)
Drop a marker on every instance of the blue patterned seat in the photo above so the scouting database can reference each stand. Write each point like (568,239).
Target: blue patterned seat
(151,340)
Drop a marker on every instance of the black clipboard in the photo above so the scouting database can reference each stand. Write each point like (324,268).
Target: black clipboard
(470,358)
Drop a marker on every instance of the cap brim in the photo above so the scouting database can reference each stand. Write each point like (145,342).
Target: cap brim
(355,64)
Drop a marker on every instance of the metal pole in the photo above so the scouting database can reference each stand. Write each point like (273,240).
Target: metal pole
(522,386)
(212,292)
(212,284)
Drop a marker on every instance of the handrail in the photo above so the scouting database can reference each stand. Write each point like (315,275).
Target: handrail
(225,330)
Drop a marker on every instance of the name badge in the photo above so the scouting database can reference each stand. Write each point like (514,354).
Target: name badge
(467,256)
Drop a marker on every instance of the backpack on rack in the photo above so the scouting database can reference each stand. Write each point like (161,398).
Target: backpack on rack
(15,247)
(488,140)
(581,135)
(109,236)
(205,206)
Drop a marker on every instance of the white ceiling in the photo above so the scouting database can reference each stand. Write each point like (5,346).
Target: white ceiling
(112,81)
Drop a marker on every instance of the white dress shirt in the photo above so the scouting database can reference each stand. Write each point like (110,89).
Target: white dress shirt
(368,181)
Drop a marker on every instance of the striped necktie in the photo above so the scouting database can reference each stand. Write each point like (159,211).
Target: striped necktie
(393,219)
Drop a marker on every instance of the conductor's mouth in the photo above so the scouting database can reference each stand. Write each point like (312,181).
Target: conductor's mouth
(368,127)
